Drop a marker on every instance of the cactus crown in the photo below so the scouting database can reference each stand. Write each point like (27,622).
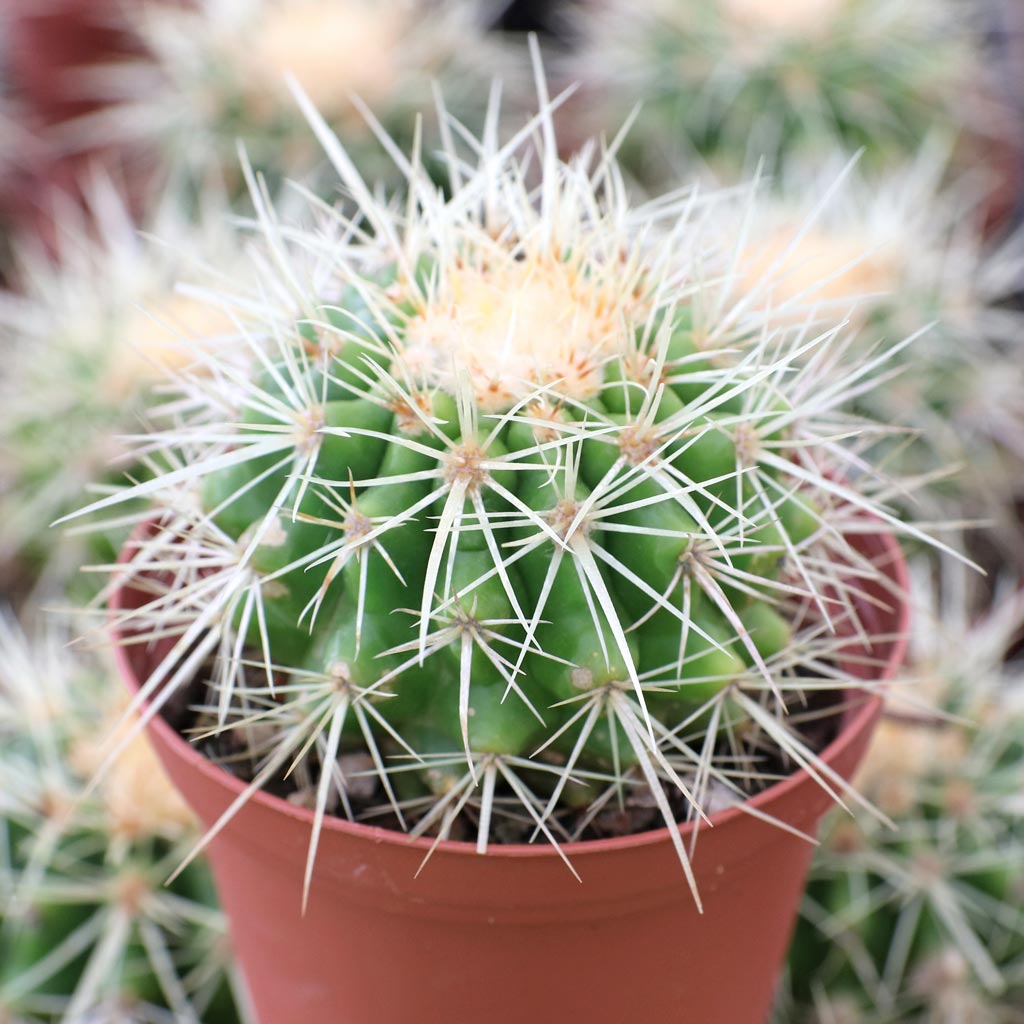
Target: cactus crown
(505,505)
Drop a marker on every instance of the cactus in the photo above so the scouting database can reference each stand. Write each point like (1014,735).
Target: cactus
(213,72)
(901,253)
(89,329)
(87,930)
(733,80)
(519,514)
(925,921)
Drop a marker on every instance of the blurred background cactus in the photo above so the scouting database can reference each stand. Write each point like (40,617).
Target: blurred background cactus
(735,81)
(924,921)
(903,253)
(211,73)
(86,335)
(88,929)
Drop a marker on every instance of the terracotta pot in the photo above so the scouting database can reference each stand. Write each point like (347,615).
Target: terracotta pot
(50,41)
(511,937)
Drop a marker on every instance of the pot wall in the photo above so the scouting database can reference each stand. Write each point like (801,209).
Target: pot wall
(512,937)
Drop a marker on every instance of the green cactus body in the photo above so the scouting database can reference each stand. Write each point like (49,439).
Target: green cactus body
(539,602)
(41,931)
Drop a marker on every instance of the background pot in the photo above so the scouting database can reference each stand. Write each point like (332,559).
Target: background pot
(511,937)
(48,50)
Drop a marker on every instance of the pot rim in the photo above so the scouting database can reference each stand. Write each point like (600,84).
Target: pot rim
(858,717)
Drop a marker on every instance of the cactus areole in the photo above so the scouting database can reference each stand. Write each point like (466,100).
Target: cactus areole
(506,521)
